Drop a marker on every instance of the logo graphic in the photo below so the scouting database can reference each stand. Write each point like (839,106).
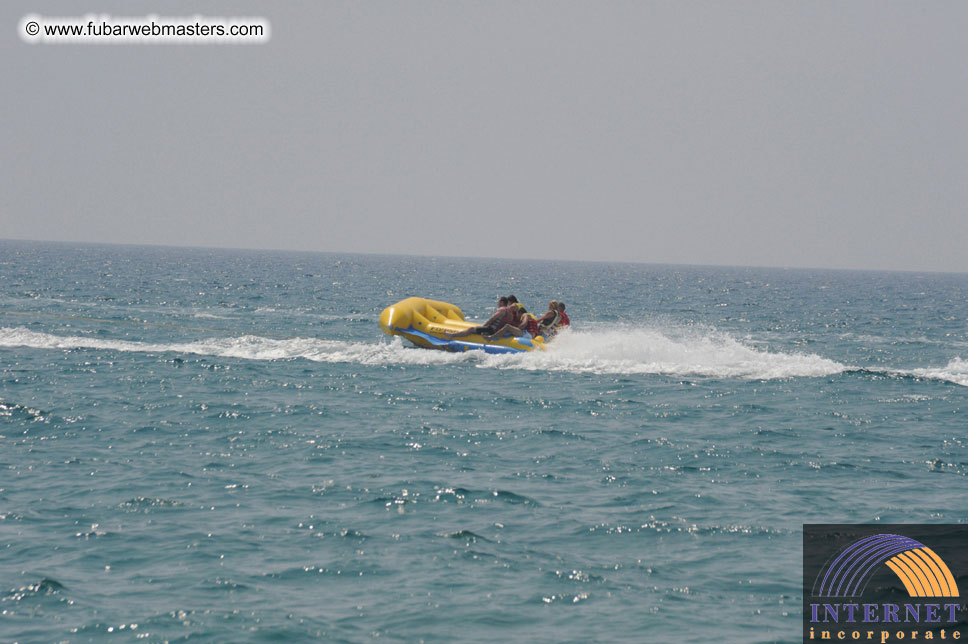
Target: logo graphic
(919,568)
(884,583)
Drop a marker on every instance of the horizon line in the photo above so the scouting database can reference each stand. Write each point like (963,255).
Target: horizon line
(497,258)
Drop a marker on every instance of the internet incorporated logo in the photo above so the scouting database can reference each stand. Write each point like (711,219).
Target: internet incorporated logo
(854,575)
(918,567)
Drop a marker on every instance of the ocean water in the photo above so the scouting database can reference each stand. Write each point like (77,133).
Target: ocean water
(221,446)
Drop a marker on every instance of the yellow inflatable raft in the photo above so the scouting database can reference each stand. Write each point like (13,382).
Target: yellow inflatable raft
(425,322)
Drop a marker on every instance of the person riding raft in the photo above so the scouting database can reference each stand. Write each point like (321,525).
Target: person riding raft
(502,316)
(564,316)
(546,325)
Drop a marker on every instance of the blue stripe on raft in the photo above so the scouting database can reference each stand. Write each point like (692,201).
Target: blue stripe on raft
(460,345)
(437,342)
(522,339)
(490,348)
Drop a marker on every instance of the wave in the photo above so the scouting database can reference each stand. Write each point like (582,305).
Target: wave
(688,352)
(247,347)
(13,410)
(629,351)
(616,351)
(955,371)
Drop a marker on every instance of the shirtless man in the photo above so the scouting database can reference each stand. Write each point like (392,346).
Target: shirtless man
(501,317)
(526,323)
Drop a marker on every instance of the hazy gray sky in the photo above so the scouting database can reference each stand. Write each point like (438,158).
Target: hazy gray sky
(827,134)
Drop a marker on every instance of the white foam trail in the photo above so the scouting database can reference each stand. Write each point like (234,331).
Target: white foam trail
(618,351)
(246,347)
(637,350)
(955,371)
(628,351)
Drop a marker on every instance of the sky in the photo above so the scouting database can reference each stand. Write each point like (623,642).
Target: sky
(795,134)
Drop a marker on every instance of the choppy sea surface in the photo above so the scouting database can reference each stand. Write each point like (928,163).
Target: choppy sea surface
(221,446)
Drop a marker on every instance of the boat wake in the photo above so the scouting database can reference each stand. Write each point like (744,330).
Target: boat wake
(673,352)
(622,351)
(246,347)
